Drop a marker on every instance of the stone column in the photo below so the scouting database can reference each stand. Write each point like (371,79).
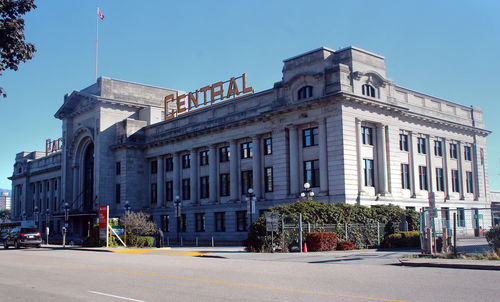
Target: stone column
(176,181)
(75,186)
(359,144)
(52,206)
(460,171)
(382,158)
(233,165)
(445,171)
(194,175)
(411,162)
(257,167)
(323,158)
(160,182)
(429,164)
(36,199)
(212,176)
(294,161)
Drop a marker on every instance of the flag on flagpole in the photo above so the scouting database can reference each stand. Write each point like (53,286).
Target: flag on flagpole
(100,14)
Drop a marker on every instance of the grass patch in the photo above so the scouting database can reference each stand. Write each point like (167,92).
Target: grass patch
(460,256)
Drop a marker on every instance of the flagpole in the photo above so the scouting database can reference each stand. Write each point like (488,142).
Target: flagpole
(96,41)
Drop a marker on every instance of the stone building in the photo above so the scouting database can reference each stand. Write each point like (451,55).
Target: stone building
(4,201)
(334,121)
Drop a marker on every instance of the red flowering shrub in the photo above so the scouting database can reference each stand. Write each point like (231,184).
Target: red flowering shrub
(345,245)
(320,241)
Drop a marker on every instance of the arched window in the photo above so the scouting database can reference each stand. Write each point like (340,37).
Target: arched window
(305,92)
(369,90)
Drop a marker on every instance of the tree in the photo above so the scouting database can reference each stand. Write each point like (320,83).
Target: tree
(5,215)
(13,48)
(139,223)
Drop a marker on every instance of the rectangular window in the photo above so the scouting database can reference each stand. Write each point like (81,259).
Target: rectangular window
(369,173)
(405,176)
(117,193)
(200,222)
(461,217)
(403,142)
(204,187)
(241,221)
(469,182)
(246,181)
(421,145)
(455,181)
(310,137)
(220,221)
(422,173)
(367,135)
(445,217)
(165,223)
(438,148)
(169,164)
(186,161)
(268,146)
(268,179)
(224,184)
(204,157)
(454,151)
(55,184)
(186,189)
(468,153)
(118,168)
(154,193)
(246,150)
(169,190)
(439,180)
(224,154)
(311,172)
(154,166)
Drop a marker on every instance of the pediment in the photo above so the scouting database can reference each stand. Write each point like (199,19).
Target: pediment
(74,104)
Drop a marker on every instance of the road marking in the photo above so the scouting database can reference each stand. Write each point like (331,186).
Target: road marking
(114,296)
(225,282)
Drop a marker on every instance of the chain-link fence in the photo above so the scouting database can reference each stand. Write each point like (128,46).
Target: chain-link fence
(455,230)
(362,235)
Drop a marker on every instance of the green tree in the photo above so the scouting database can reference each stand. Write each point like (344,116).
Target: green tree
(13,48)
(5,215)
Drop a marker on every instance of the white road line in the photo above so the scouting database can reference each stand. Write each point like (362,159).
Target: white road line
(118,297)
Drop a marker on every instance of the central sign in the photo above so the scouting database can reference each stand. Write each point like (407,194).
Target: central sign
(103,222)
(220,91)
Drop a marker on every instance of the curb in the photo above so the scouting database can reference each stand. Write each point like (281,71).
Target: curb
(452,265)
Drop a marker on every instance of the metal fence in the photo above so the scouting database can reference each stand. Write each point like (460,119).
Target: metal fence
(455,230)
(295,232)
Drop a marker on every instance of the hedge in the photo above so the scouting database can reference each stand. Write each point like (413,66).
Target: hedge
(493,238)
(403,239)
(345,245)
(321,241)
(259,240)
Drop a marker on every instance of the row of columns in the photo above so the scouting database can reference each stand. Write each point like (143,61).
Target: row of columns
(295,177)
(382,163)
(235,193)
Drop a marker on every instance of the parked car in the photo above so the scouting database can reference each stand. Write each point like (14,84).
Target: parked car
(23,237)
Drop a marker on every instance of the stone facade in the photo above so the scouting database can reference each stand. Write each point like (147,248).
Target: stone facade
(334,120)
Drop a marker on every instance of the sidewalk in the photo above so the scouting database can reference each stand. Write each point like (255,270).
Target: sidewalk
(452,263)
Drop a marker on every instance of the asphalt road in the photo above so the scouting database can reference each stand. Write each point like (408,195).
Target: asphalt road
(170,275)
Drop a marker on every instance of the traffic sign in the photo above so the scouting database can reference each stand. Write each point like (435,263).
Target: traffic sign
(272,221)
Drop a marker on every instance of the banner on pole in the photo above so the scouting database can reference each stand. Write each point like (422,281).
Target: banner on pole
(103,222)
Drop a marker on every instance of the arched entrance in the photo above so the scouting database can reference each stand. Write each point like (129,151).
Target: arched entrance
(88,177)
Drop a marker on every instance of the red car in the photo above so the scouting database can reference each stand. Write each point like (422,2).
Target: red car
(23,237)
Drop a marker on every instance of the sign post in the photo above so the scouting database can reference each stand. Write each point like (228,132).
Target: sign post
(272,225)
(103,223)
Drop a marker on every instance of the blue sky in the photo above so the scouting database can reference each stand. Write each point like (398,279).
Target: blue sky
(447,49)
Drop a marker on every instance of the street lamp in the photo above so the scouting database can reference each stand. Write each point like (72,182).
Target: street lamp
(127,207)
(35,214)
(178,204)
(307,193)
(250,199)
(66,216)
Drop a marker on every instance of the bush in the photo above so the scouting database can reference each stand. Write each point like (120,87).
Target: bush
(318,213)
(493,237)
(139,223)
(402,240)
(140,241)
(321,241)
(345,245)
